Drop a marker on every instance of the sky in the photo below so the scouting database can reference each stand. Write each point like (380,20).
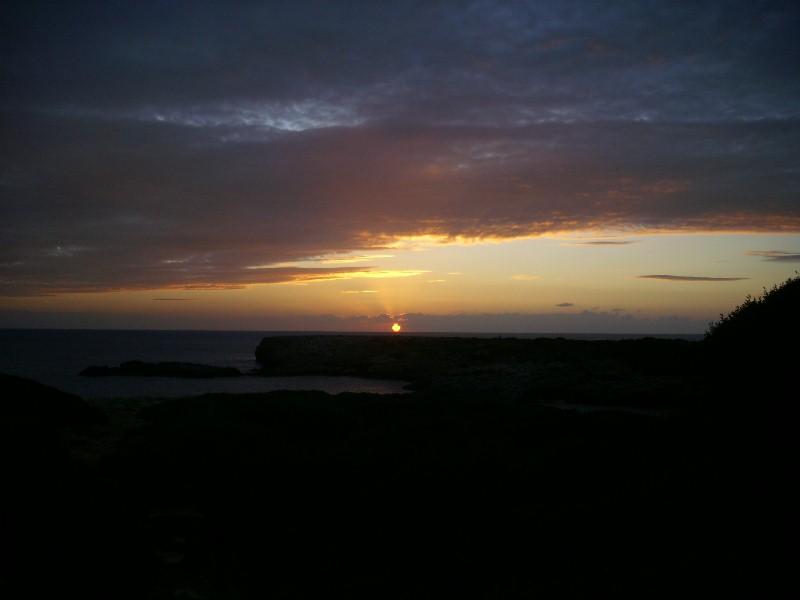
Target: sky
(551,166)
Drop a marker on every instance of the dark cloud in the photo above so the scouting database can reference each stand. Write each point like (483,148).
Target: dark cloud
(775,255)
(565,304)
(690,278)
(148,145)
(463,61)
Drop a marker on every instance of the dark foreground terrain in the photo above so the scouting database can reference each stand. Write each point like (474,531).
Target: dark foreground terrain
(469,487)
(646,372)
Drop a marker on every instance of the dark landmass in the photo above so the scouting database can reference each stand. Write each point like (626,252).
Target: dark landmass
(642,372)
(139,368)
(25,399)
(471,486)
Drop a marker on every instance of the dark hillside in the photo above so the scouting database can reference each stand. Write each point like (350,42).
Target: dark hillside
(773,317)
(755,346)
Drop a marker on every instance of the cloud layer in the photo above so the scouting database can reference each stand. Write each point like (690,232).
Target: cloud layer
(178,145)
(689,278)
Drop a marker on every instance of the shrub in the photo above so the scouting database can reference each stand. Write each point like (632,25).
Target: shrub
(752,349)
(772,316)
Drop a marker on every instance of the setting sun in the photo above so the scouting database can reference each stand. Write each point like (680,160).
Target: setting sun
(396,328)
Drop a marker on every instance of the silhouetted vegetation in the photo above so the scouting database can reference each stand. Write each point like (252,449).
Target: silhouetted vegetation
(755,343)
(771,317)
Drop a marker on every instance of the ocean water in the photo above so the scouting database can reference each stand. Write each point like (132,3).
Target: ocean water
(55,357)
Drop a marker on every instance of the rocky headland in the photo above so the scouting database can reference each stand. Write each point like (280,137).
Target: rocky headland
(626,372)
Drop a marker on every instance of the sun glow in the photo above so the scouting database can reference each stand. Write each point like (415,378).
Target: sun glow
(396,328)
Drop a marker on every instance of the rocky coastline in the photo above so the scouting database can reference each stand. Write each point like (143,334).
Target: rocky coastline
(470,486)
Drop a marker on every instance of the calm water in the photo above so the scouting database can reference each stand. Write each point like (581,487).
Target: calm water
(56,356)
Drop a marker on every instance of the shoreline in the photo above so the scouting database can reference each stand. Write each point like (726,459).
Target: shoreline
(478,483)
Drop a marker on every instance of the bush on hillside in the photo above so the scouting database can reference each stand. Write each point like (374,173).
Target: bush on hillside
(772,316)
(753,347)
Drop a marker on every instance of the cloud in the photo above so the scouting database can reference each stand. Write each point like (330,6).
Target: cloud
(565,304)
(350,259)
(528,62)
(156,145)
(605,243)
(690,278)
(775,255)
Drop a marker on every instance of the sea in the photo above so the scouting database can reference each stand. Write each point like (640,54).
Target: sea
(55,357)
